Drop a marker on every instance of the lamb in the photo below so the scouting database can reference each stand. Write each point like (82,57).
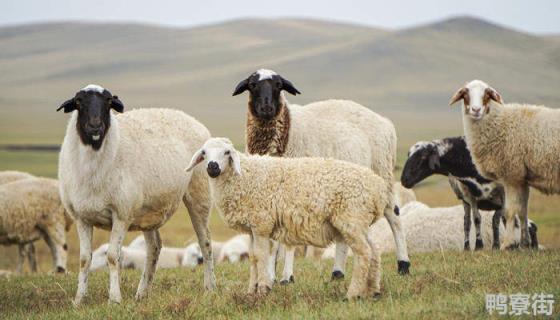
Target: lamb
(235,249)
(450,157)
(297,201)
(24,250)
(514,144)
(431,229)
(122,172)
(133,258)
(339,129)
(31,209)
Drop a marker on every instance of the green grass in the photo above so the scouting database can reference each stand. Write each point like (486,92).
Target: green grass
(442,285)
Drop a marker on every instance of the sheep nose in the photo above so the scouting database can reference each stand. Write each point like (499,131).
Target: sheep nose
(200,260)
(476,108)
(213,169)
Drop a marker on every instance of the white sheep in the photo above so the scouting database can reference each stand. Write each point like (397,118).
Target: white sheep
(134,257)
(516,145)
(339,129)
(31,209)
(235,249)
(297,201)
(123,172)
(193,256)
(24,250)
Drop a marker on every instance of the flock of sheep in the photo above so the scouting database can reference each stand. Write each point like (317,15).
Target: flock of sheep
(319,175)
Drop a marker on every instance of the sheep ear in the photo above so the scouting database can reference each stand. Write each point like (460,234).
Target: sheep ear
(241,87)
(494,95)
(289,87)
(236,162)
(460,94)
(433,162)
(117,105)
(68,105)
(196,159)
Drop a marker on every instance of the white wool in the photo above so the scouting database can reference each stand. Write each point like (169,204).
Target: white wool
(235,249)
(93,87)
(265,74)
(138,243)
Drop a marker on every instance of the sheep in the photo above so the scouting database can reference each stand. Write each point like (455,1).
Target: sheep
(24,250)
(133,257)
(297,201)
(515,145)
(339,129)
(193,256)
(235,249)
(121,172)
(450,157)
(431,229)
(402,195)
(31,209)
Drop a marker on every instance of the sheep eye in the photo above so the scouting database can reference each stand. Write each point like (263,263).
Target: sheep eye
(227,153)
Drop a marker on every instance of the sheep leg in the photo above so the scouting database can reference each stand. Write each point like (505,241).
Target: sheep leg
(513,206)
(153,248)
(467,225)
(496,228)
(31,256)
(273,259)
(374,275)
(479,244)
(403,262)
(534,239)
(21,258)
(118,232)
(288,272)
(358,242)
(85,232)
(55,237)
(262,255)
(341,251)
(524,219)
(252,266)
(199,212)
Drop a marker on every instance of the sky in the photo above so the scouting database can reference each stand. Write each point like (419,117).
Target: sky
(535,16)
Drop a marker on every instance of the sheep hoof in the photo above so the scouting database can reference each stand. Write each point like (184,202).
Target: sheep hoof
(337,275)
(467,246)
(514,246)
(495,246)
(115,300)
(479,244)
(287,281)
(376,296)
(60,269)
(263,290)
(403,267)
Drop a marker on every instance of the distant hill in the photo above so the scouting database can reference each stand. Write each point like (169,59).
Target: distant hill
(407,74)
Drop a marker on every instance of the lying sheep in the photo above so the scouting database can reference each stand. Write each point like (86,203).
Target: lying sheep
(516,145)
(193,256)
(134,258)
(339,129)
(235,249)
(31,209)
(24,250)
(124,172)
(433,229)
(297,201)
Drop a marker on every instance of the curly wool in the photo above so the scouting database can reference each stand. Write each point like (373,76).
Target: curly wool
(10,176)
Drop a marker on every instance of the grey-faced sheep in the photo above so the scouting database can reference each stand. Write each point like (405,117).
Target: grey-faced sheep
(297,201)
(514,144)
(124,172)
(31,209)
(339,129)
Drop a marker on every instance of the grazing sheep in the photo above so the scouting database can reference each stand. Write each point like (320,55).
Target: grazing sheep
(450,157)
(193,257)
(297,201)
(235,249)
(432,229)
(31,209)
(339,129)
(24,250)
(123,172)
(516,145)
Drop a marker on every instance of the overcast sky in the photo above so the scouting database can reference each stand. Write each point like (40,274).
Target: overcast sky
(538,16)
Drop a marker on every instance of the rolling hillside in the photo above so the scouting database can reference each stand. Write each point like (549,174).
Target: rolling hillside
(407,75)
